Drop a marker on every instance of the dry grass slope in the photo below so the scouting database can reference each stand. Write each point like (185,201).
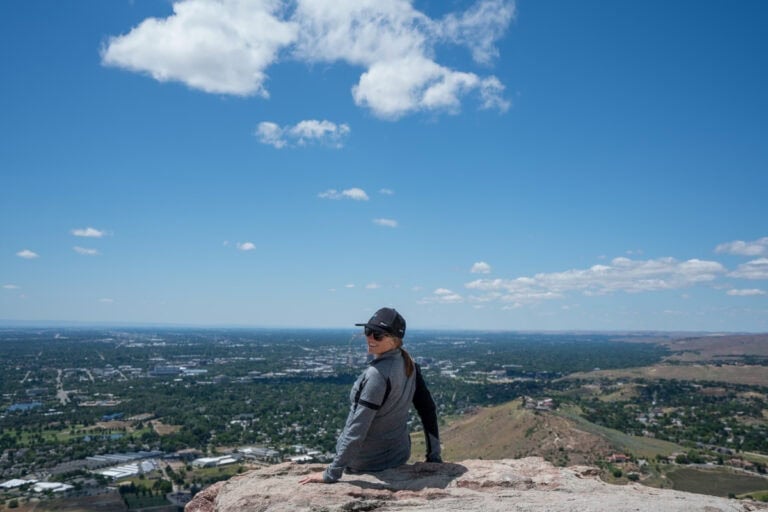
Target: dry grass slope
(749,375)
(511,431)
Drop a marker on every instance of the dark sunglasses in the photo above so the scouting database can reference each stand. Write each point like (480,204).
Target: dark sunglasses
(377,335)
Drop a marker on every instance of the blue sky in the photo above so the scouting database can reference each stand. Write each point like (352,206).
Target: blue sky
(538,165)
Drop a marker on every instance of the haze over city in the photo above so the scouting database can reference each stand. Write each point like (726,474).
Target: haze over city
(530,165)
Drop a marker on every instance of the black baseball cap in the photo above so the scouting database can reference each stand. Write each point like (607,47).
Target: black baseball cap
(387,320)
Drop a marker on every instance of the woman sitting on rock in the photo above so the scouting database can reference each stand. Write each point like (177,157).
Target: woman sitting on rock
(376,436)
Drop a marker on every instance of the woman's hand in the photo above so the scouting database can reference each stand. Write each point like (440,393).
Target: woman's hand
(315,478)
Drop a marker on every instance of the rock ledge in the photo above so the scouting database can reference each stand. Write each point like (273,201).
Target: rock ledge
(520,485)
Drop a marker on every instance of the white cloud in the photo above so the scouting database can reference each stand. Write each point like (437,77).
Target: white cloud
(220,47)
(88,232)
(748,292)
(356,194)
(226,47)
(349,285)
(372,286)
(396,44)
(443,296)
(755,269)
(480,267)
(622,275)
(388,223)
(757,247)
(386,192)
(246,246)
(272,134)
(106,301)
(27,254)
(10,287)
(85,251)
(304,133)
(479,27)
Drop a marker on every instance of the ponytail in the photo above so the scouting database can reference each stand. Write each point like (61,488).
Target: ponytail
(407,359)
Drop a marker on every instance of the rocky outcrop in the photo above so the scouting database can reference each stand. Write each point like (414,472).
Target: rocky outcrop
(520,485)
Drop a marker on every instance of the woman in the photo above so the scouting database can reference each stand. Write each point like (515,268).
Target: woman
(376,436)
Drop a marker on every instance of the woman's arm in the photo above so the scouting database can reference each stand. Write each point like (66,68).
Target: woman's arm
(425,407)
(355,431)
(368,399)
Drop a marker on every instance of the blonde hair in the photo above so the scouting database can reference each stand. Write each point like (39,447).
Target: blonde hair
(407,359)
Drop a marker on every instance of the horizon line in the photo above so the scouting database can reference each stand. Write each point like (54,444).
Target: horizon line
(63,324)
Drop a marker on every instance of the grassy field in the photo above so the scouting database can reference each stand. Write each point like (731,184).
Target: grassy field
(749,375)
(64,435)
(757,496)
(716,482)
(209,475)
(163,429)
(137,501)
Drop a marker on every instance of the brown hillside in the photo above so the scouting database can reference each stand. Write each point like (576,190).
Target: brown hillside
(511,431)
(713,348)
(734,374)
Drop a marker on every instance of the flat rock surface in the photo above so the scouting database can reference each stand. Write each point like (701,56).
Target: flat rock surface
(529,484)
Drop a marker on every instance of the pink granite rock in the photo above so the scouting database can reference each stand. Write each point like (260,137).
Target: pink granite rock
(522,485)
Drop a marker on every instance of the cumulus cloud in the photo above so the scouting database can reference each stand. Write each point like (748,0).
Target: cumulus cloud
(246,246)
(372,286)
(85,251)
(443,296)
(27,254)
(622,275)
(480,267)
(220,47)
(387,223)
(227,46)
(755,269)
(10,287)
(88,232)
(757,247)
(747,292)
(386,192)
(356,194)
(304,133)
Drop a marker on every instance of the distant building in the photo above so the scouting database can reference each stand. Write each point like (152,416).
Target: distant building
(128,470)
(51,486)
(545,404)
(164,371)
(265,454)
(186,455)
(211,462)
(193,372)
(24,406)
(12,484)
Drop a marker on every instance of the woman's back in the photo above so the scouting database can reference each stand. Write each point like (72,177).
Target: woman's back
(387,443)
